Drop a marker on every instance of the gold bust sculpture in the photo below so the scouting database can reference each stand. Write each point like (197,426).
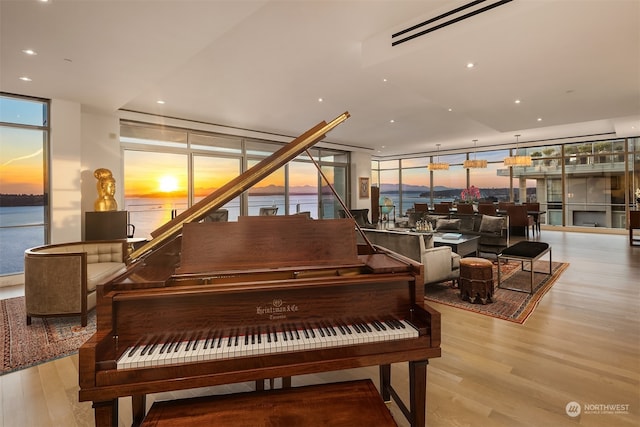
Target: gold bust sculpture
(106,190)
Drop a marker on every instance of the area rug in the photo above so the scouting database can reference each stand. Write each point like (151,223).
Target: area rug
(44,340)
(508,305)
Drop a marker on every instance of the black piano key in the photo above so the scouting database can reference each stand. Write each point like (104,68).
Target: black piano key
(367,327)
(390,324)
(235,341)
(153,347)
(189,343)
(208,341)
(178,343)
(197,340)
(342,331)
(321,330)
(333,331)
(356,327)
(220,337)
(295,330)
(306,333)
(134,348)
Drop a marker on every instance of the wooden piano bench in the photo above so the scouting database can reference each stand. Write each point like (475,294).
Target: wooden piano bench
(346,404)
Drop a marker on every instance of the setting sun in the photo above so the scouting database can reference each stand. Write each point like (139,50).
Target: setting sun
(168,183)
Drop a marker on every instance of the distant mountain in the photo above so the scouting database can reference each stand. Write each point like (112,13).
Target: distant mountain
(22,200)
(391,188)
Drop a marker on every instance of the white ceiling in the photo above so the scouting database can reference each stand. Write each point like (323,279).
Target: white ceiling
(262,65)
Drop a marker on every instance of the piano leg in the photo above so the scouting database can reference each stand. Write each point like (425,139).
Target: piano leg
(106,413)
(418,392)
(139,408)
(385,382)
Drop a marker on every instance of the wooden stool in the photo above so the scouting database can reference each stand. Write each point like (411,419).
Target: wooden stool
(344,404)
(476,280)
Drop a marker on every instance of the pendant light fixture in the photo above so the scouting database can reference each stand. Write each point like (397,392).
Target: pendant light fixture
(475,163)
(438,165)
(517,160)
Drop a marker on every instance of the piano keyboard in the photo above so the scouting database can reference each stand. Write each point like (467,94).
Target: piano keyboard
(214,345)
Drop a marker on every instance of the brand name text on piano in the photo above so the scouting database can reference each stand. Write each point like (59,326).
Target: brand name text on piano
(277,309)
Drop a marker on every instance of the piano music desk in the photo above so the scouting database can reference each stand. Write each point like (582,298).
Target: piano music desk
(346,404)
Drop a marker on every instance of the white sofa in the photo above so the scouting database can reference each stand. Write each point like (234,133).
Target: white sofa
(61,279)
(440,263)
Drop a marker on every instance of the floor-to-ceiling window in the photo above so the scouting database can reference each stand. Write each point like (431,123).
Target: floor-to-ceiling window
(167,169)
(24,140)
(585,184)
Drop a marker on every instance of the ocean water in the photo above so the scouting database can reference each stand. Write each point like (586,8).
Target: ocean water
(149,214)
(21,227)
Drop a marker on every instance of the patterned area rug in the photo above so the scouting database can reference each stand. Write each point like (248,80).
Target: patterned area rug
(44,340)
(508,305)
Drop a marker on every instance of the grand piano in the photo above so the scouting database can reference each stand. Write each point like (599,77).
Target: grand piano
(210,303)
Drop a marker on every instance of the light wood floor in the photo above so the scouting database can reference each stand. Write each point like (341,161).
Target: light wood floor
(581,344)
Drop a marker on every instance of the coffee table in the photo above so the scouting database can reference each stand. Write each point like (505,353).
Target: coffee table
(525,251)
(467,244)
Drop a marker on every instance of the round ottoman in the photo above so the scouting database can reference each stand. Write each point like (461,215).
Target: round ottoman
(476,280)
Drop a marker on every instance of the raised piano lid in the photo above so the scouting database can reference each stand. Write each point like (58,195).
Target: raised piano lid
(235,187)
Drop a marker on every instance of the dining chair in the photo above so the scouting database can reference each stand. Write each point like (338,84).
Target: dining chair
(421,207)
(487,209)
(441,208)
(465,209)
(268,211)
(533,209)
(518,217)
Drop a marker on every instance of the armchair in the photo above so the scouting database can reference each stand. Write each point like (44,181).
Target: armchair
(440,263)
(61,280)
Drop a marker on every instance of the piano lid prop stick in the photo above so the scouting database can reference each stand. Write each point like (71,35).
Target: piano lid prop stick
(347,212)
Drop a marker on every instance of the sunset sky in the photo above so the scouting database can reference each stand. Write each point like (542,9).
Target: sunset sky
(21,170)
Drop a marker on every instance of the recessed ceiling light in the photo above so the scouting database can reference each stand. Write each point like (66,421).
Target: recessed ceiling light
(29,52)
(539,119)
(320,99)
(159,101)
(450,109)
(517,101)
(470,65)
(392,121)
(25,79)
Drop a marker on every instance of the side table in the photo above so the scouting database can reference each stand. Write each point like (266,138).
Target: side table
(476,280)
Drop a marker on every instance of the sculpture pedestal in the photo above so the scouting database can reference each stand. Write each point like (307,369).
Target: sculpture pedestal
(107,225)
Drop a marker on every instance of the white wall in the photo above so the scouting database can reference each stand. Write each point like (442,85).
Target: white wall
(80,143)
(360,168)
(64,175)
